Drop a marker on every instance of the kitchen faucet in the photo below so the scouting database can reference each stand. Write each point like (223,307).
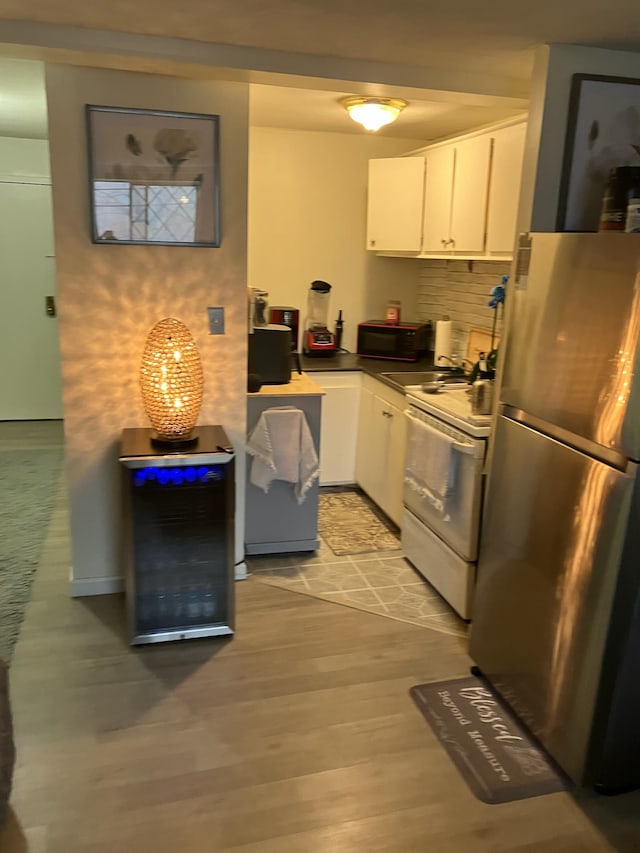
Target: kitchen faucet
(458,363)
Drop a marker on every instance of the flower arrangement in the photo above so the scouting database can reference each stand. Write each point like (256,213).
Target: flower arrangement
(497,299)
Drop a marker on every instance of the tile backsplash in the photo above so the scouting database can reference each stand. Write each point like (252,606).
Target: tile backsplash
(459,290)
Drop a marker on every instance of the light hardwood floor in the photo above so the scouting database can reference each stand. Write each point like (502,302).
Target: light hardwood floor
(297,736)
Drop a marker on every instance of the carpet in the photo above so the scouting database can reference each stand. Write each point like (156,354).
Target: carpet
(496,756)
(352,524)
(28,486)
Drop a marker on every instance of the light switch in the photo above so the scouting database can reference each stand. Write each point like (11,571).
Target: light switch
(216,321)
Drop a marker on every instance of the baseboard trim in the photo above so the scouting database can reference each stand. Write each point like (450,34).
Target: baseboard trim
(83,587)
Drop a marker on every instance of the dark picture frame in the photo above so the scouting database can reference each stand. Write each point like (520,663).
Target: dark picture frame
(154,177)
(603,131)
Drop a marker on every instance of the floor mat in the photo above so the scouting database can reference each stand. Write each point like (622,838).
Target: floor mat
(351,524)
(494,753)
(383,584)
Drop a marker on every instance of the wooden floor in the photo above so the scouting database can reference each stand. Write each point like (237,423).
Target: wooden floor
(296,736)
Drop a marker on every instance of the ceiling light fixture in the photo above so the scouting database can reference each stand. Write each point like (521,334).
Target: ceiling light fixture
(373,113)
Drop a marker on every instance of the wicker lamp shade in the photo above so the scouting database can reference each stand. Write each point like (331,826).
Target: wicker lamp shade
(171,382)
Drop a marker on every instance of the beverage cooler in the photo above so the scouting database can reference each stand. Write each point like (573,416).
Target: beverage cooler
(178,536)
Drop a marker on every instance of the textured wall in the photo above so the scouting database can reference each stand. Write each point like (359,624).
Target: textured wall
(459,290)
(110,296)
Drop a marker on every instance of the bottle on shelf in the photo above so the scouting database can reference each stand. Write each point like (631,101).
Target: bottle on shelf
(338,332)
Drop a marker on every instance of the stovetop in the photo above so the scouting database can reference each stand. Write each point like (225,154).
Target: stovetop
(452,405)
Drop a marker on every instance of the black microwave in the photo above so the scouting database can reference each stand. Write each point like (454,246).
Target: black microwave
(398,342)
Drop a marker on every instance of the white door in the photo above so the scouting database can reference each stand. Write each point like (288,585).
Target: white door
(470,190)
(394,204)
(437,200)
(32,387)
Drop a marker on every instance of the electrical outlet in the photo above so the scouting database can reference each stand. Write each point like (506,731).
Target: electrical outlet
(216,321)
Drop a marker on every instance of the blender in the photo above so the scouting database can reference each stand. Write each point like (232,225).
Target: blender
(318,340)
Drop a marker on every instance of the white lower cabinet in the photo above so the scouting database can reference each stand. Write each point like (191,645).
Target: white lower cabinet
(382,439)
(339,426)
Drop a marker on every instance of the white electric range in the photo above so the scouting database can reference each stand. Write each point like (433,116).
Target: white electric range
(443,490)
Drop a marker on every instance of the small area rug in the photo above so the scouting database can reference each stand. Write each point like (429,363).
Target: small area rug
(28,486)
(494,753)
(351,524)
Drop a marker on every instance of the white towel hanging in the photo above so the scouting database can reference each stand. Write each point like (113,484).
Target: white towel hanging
(282,448)
(431,463)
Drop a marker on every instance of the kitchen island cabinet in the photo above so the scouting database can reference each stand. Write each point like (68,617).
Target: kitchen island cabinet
(275,522)
(382,439)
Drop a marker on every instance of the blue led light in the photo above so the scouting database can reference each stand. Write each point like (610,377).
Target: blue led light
(178,475)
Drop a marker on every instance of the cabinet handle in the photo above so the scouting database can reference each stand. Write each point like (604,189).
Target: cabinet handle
(372,242)
(444,242)
(453,243)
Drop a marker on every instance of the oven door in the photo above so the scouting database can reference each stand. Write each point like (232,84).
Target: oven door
(443,480)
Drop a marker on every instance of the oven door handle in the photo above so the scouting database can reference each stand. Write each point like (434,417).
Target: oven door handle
(463,448)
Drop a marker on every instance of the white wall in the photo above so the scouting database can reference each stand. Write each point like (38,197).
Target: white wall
(109,296)
(307,220)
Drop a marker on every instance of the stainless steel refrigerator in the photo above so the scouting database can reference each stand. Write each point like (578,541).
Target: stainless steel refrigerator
(556,625)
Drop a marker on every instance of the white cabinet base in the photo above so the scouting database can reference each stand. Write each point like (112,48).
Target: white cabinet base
(448,573)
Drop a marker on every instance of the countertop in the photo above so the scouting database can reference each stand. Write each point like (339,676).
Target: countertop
(372,366)
(301,385)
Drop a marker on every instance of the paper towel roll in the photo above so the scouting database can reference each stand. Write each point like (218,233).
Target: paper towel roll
(443,343)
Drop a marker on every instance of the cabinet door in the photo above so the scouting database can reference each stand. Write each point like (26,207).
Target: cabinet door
(504,188)
(470,191)
(339,430)
(379,427)
(437,200)
(395,453)
(366,451)
(395,203)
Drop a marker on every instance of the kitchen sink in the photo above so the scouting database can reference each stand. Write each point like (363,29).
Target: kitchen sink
(422,377)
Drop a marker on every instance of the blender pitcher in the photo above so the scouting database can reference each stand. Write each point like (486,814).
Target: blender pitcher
(318,340)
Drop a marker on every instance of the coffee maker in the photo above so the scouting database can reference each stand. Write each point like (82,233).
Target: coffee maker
(269,343)
(317,339)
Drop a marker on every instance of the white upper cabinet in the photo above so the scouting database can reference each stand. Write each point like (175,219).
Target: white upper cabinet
(436,235)
(456,196)
(506,172)
(470,190)
(395,203)
(466,206)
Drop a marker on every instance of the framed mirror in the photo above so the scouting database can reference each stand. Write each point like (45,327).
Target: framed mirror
(154,177)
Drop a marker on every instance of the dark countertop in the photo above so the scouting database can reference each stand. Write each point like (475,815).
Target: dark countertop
(372,366)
